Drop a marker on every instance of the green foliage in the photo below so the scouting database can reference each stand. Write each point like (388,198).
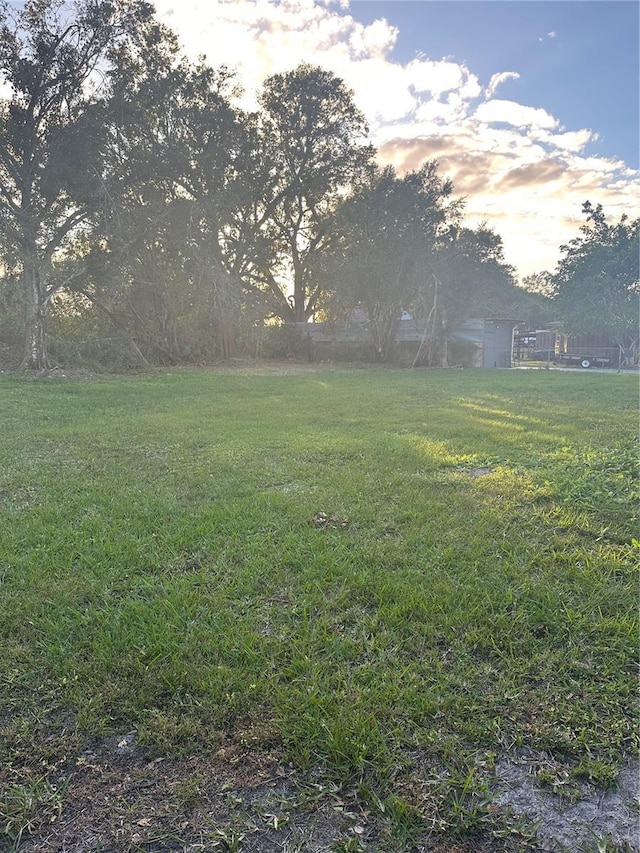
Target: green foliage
(473,278)
(310,155)
(597,282)
(52,133)
(172,181)
(402,247)
(177,214)
(388,232)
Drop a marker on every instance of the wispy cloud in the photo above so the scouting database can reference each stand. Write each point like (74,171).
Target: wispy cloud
(518,167)
(497,79)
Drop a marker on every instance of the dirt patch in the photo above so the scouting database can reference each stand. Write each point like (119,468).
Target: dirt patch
(583,819)
(113,796)
(117,798)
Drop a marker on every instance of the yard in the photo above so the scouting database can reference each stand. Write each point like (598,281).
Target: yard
(241,607)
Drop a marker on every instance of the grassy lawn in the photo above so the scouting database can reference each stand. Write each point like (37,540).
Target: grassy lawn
(469,592)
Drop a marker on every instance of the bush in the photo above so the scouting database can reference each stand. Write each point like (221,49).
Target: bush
(287,341)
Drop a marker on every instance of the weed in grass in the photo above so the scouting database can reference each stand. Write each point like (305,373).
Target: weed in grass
(229,840)
(598,773)
(25,806)
(558,780)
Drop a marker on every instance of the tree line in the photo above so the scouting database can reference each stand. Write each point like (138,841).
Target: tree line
(142,211)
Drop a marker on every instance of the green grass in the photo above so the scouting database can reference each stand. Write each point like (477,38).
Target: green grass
(159,570)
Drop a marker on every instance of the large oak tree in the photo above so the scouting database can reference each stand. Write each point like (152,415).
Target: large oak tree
(171,175)
(389,231)
(310,153)
(52,133)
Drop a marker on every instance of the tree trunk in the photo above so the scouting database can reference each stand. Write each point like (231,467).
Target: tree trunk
(36,301)
(227,289)
(384,328)
(299,300)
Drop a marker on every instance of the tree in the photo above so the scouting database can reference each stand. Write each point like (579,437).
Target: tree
(308,155)
(403,248)
(52,132)
(212,190)
(539,283)
(597,281)
(389,232)
(170,177)
(471,279)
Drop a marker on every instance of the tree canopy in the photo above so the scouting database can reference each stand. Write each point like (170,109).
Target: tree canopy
(596,285)
(404,249)
(388,231)
(52,133)
(311,153)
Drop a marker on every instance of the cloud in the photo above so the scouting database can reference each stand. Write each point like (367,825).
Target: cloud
(531,193)
(572,140)
(436,78)
(533,174)
(499,78)
(517,166)
(518,115)
(470,170)
(376,40)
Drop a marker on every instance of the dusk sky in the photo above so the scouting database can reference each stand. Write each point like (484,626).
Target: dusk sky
(530,107)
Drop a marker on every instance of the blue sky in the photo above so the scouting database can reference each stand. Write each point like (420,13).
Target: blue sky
(577,59)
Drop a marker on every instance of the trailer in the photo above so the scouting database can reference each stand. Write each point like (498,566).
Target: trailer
(583,359)
(583,351)
(586,351)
